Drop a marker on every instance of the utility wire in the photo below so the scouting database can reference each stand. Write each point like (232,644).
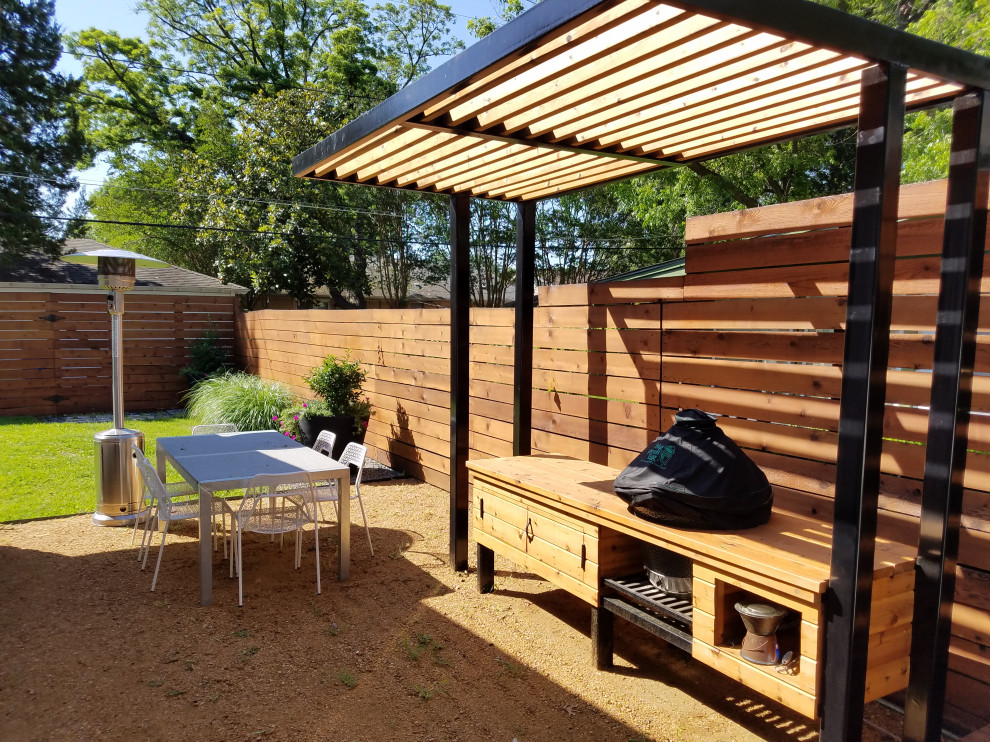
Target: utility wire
(271,233)
(165,191)
(219,78)
(104,184)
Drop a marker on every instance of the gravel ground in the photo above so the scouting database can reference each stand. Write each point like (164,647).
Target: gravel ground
(405,650)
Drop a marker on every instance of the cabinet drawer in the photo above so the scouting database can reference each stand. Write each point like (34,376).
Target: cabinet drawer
(565,546)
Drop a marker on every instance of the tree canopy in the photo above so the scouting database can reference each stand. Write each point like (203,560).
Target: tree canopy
(39,139)
(201,121)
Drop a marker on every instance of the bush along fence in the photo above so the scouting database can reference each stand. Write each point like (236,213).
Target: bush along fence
(753,332)
(55,348)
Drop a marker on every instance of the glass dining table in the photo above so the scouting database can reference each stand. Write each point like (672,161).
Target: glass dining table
(228,461)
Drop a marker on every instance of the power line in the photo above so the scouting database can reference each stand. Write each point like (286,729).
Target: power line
(104,184)
(165,191)
(272,233)
(218,77)
(193,227)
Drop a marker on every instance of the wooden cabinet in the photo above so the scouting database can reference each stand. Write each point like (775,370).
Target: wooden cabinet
(558,518)
(572,552)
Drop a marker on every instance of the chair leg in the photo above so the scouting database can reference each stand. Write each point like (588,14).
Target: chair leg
(316,531)
(161,550)
(134,530)
(142,552)
(240,570)
(366,529)
(234,530)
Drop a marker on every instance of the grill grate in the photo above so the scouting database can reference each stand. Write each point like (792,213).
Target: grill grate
(639,589)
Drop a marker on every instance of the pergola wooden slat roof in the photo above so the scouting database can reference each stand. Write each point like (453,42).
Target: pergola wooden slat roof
(575,94)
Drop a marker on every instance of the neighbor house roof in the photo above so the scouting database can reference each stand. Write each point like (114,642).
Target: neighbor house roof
(51,274)
(675,267)
(574,93)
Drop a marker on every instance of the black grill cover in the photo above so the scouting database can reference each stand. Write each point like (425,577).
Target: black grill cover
(695,476)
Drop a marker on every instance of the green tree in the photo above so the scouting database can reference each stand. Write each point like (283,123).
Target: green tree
(412,33)
(149,93)
(590,235)
(208,142)
(39,138)
(262,228)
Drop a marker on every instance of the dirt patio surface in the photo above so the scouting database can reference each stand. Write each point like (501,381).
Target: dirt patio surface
(405,650)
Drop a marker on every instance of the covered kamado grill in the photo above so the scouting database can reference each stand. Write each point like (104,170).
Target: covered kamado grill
(575,94)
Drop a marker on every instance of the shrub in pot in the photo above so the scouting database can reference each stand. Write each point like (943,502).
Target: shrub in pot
(340,408)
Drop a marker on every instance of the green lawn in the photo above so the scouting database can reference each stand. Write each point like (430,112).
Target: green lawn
(48,468)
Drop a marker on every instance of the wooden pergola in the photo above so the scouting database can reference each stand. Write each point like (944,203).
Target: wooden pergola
(577,93)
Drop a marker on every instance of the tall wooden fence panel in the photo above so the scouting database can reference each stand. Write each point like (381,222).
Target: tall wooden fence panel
(55,349)
(759,339)
(754,332)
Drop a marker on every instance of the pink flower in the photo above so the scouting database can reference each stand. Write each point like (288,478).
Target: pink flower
(275,418)
(293,437)
(296,417)
(304,404)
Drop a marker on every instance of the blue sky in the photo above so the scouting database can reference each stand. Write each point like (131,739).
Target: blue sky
(120,16)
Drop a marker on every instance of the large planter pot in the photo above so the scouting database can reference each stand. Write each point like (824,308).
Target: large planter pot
(341,425)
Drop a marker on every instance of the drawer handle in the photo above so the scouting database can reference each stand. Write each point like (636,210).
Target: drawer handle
(530,533)
(482,515)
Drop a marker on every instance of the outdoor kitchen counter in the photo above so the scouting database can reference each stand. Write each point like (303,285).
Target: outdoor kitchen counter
(559,517)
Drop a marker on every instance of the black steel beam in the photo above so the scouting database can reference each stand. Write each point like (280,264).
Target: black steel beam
(955,351)
(864,374)
(822,26)
(807,21)
(522,397)
(460,323)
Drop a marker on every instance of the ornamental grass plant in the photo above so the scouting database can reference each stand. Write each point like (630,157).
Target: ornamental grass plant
(247,401)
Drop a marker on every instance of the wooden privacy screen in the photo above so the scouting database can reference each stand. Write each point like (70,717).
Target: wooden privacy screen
(754,332)
(55,349)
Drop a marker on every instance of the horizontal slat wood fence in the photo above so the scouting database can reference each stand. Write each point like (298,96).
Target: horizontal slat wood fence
(55,349)
(754,332)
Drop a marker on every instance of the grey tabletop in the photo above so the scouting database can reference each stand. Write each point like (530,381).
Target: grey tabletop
(235,469)
(219,443)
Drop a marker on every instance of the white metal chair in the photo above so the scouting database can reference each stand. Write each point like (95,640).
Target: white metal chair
(273,503)
(354,455)
(167,503)
(324,442)
(146,513)
(217,428)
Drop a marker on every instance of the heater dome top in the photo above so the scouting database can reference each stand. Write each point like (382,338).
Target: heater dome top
(92,257)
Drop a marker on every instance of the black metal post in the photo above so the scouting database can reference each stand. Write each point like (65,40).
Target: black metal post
(955,352)
(522,398)
(864,371)
(460,323)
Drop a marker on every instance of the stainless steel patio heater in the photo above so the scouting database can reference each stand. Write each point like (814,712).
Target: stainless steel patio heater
(118,481)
